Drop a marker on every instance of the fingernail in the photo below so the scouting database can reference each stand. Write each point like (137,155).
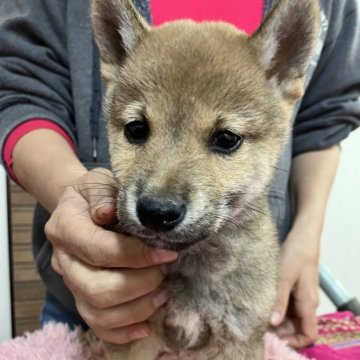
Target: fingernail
(161,298)
(161,256)
(138,334)
(275,318)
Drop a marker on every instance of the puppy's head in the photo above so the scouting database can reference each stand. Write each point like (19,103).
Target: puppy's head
(197,114)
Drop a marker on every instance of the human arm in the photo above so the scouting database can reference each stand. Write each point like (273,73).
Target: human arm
(36,83)
(115,303)
(328,112)
(312,176)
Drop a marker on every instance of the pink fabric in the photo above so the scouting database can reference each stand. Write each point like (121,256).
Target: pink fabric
(23,129)
(57,342)
(244,14)
(341,334)
(53,342)
(276,349)
(324,352)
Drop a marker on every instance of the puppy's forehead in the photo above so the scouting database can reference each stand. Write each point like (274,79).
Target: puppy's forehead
(184,71)
(196,58)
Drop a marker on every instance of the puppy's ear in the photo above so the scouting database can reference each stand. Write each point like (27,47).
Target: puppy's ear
(285,42)
(118,28)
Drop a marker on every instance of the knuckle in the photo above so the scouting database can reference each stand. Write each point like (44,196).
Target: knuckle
(56,229)
(98,321)
(51,230)
(314,301)
(55,263)
(311,300)
(97,298)
(100,303)
(93,297)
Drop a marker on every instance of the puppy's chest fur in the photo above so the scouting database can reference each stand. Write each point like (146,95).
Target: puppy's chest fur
(221,297)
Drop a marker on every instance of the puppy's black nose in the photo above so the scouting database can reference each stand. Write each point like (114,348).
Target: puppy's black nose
(160,214)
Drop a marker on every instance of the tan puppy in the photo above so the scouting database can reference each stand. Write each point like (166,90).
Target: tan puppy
(198,115)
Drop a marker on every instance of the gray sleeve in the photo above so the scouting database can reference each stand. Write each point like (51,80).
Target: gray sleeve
(330,109)
(34,69)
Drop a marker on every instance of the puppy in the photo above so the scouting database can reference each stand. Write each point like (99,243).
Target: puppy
(197,116)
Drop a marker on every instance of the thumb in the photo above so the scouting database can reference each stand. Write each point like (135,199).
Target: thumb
(282,303)
(104,212)
(100,190)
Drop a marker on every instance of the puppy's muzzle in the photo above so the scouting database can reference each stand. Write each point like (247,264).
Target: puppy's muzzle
(160,214)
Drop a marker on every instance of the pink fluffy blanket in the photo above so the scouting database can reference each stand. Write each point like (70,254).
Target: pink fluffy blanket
(57,342)
(339,339)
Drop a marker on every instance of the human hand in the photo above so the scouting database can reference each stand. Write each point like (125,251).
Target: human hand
(115,279)
(294,317)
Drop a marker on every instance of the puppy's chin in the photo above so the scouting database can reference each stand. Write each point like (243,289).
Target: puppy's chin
(160,243)
(165,241)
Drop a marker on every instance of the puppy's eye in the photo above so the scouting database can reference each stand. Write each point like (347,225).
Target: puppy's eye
(225,142)
(137,132)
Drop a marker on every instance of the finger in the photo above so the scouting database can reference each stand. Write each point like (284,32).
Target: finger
(96,185)
(100,191)
(285,329)
(308,324)
(104,288)
(96,246)
(297,341)
(305,305)
(278,315)
(125,314)
(124,335)
(290,331)
(300,326)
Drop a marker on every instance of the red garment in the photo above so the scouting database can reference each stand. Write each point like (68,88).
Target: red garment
(24,129)
(245,14)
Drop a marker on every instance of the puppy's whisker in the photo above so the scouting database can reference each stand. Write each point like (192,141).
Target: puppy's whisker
(99,197)
(280,169)
(94,186)
(252,207)
(105,174)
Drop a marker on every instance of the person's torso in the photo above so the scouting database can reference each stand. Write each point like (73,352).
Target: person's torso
(88,91)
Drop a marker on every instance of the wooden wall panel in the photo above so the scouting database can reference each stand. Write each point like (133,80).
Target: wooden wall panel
(28,289)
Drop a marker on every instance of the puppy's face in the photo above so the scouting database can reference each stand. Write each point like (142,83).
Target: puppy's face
(197,117)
